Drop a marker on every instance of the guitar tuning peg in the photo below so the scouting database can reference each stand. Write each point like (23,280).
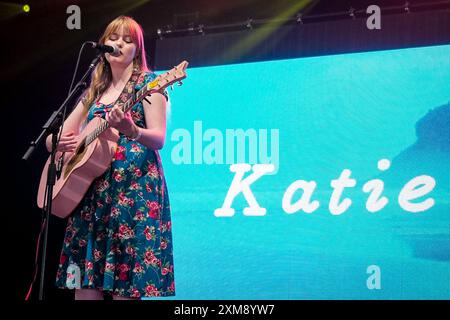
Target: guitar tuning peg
(171,87)
(180,83)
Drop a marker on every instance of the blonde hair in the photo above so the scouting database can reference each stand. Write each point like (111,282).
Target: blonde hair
(102,76)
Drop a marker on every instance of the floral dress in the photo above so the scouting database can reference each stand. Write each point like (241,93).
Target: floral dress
(119,238)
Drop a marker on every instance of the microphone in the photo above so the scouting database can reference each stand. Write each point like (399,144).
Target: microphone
(113,50)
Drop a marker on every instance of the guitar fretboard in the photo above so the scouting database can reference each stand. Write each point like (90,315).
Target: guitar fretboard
(140,95)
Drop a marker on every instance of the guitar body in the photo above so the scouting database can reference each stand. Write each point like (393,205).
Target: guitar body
(80,169)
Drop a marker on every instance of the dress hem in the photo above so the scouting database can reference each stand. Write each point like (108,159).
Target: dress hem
(111,291)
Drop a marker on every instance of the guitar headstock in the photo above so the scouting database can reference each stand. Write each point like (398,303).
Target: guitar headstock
(176,74)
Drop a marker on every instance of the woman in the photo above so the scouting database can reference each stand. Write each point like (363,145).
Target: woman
(119,240)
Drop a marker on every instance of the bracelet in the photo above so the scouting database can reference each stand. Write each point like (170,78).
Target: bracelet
(138,135)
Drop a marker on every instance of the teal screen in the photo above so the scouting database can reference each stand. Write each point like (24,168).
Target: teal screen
(380,116)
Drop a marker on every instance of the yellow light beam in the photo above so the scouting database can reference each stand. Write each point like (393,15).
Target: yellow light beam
(9,10)
(258,35)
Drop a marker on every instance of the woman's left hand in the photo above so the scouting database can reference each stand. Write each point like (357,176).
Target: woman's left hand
(121,121)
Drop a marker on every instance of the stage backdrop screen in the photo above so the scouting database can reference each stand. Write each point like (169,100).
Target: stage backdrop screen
(313,178)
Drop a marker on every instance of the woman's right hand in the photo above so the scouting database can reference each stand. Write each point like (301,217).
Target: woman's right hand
(68,142)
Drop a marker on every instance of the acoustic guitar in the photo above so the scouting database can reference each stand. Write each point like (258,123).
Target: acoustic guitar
(94,151)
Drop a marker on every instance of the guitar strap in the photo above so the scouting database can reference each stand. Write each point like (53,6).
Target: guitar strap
(129,91)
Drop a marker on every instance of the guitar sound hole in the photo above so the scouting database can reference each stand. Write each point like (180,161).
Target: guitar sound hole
(81,148)
(78,155)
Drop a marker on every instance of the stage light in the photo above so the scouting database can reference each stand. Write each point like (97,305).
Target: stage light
(406,6)
(160,33)
(201,30)
(26,8)
(191,27)
(249,23)
(351,12)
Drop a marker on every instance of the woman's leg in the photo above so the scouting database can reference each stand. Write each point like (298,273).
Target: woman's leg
(88,294)
(115,297)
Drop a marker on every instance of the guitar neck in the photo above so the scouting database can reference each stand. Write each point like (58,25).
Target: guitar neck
(138,97)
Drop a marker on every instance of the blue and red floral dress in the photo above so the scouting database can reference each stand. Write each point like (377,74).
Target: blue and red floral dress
(119,238)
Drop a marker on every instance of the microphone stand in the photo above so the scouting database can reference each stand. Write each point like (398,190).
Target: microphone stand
(52,127)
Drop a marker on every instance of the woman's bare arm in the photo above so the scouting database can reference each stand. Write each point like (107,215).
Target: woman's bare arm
(71,129)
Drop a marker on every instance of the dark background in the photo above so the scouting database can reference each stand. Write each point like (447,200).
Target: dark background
(39,55)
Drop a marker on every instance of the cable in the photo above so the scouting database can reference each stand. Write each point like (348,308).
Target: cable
(76,67)
(36,258)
